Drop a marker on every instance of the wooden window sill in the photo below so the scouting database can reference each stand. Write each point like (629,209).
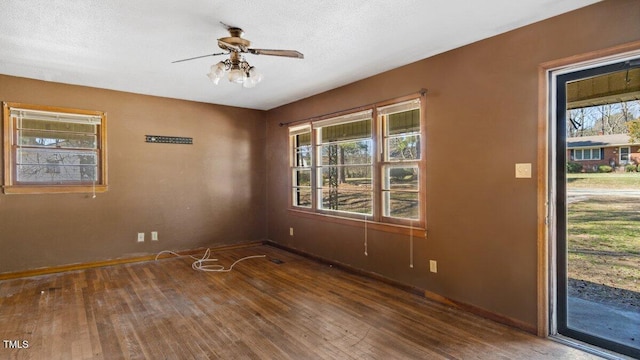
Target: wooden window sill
(57,189)
(417,232)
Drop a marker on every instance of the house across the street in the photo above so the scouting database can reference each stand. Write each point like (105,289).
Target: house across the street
(592,151)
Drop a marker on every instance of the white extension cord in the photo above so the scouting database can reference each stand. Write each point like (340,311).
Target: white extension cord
(205,263)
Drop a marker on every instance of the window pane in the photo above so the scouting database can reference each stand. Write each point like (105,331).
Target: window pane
(586,154)
(402,135)
(302,197)
(56,139)
(302,177)
(347,153)
(624,154)
(403,122)
(347,131)
(301,172)
(403,147)
(303,139)
(357,177)
(347,200)
(401,178)
(405,205)
(303,156)
(56,126)
(578,154)
(47,166)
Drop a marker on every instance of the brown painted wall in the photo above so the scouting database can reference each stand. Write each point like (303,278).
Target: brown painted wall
(206,194)
(482,109)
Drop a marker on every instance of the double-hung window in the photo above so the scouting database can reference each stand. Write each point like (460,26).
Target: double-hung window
(50,150)
(344,164)
(401,160)
(300,138)
(364,164)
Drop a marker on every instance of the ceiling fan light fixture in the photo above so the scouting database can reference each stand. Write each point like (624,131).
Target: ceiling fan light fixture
(249,84)
(215,79)
(236,76)
(217,71)
(252,78)
(236,67)
(221,67)
(254,74)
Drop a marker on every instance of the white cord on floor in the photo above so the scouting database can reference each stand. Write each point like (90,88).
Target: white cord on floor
(204,263)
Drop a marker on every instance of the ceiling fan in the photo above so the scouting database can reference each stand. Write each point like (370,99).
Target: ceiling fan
(238,69)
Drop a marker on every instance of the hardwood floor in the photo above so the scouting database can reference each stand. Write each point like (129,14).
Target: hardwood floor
(298,309)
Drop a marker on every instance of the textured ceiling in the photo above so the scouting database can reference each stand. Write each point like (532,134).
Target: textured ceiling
(129,45)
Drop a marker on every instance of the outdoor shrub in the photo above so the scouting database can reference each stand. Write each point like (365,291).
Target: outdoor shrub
(605,169)
(630,168)
(573,167)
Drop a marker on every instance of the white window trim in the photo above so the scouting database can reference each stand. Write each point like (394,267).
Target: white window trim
(319,166)
(624,162)
(294,167)
(344,119)
(591,151)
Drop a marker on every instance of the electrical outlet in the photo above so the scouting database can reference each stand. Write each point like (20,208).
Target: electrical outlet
(433,266)
(290,231)
(154,236)
(140,237)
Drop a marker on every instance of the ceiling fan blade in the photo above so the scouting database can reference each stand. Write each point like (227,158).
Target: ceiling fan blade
(285,53)
(198,57)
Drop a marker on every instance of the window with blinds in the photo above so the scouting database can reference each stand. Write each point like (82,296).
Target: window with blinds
(53,149)
(344,163)
(401,160)
(363,164)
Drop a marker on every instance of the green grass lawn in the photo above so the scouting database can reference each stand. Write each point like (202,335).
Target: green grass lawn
(604,181)
(606,223)
(604,241)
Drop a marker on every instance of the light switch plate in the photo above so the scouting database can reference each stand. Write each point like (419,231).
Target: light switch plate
(523,171)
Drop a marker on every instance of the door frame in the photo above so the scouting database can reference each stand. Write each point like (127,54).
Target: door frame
(546,170)
(626,162)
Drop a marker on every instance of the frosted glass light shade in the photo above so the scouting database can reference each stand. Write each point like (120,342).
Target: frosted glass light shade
(217,72)
(253,78)
(236,76)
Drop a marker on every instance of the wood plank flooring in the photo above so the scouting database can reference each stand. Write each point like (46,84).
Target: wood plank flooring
(298,309)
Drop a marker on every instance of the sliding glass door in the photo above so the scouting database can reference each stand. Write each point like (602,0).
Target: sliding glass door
(598,206)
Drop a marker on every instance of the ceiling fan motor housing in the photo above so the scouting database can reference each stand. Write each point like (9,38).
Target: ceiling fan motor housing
(235,42)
